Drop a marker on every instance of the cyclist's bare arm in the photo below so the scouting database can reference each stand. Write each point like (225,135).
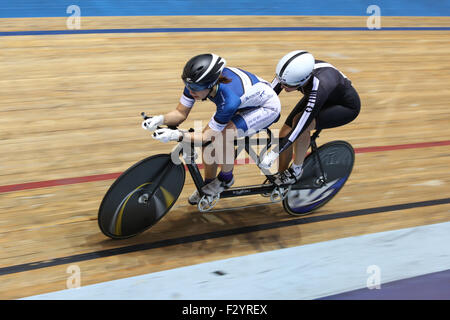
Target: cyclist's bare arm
(201,137)
(177,116)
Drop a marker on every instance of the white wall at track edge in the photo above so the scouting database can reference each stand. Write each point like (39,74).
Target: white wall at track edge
(304,272)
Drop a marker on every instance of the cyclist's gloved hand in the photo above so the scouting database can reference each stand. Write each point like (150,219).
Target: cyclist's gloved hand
(268,160)
(166,135)
(152,123)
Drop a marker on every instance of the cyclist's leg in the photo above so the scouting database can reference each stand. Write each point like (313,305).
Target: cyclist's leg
(292,173)
(209,163)
(227,157)
(220,151)
(301,146)
(286,156)
(334,115)
(245,123)
(223,154)
(330,116)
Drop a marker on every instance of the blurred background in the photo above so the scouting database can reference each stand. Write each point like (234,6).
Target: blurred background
(75,76)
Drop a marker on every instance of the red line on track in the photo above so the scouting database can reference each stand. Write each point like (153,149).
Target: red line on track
(58,182)
(110,176)
(403,146)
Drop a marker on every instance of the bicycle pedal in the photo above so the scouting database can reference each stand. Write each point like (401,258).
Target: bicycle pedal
(207,203)
(279,194)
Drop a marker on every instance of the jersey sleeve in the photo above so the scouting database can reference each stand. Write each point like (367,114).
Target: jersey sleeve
(224,113)
(276,85)
(315,101)
(186,99)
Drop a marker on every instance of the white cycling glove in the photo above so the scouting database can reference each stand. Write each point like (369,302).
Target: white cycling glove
(166,135)
(152,123)
(268,160)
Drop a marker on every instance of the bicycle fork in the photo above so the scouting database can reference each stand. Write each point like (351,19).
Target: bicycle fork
(322,179)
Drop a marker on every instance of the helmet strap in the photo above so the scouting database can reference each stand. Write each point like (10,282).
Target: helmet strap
(303,87)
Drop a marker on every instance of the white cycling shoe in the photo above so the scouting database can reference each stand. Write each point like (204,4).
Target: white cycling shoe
(212,189)
(288,176)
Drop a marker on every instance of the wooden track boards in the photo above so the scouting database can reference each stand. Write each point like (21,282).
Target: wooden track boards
(70,107)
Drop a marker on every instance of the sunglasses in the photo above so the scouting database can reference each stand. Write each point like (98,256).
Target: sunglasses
(286,85)
(292,86)
(196,86)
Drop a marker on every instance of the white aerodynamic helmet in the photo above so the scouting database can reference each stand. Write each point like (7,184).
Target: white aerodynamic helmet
(295,68)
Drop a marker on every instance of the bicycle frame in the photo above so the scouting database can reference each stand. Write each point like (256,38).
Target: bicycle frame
(145,208)
(252,189)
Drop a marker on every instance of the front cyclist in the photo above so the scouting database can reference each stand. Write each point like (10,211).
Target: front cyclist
(245,104)
(329,101)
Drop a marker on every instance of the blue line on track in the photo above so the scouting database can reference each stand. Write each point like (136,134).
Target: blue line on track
(247,29)
(93,8)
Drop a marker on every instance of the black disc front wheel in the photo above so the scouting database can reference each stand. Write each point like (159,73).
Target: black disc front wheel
(141,196)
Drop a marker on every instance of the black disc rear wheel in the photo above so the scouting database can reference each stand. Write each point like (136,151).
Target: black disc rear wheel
(337,158)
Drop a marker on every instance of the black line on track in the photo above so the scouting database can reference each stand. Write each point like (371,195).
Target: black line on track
(212,235)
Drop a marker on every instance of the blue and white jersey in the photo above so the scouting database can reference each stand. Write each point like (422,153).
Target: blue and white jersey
(230,97)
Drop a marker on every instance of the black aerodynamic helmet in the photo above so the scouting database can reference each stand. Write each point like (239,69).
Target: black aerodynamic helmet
(202,72)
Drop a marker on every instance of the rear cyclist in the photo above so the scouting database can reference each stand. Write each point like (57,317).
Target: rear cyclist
(244,103)
(329,100)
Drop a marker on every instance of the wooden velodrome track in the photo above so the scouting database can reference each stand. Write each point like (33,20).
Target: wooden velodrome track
(70,108)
